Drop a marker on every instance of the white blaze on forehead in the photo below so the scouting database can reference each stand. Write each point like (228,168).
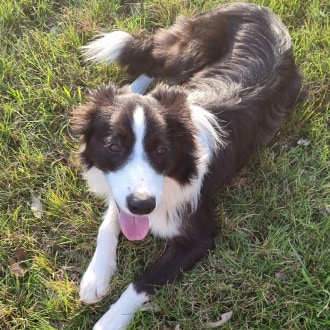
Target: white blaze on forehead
(143,172)
(139,125)
(139,130)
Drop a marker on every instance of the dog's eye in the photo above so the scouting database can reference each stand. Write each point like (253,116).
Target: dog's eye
(115,147)
(161,151)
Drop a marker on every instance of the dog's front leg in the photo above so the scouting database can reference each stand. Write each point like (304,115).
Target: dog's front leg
(96,280)
(180,256)
(120,314)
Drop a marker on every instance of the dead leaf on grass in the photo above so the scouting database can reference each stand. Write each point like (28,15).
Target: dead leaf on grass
(15,265)
(280,276)
(224,319)
(36,206)
(15,268)
(20,254)
(241,182)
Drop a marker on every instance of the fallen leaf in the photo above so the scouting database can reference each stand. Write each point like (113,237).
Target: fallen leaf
(16,268)
(20,254)
(224,319)
(36,206)
(280,276)
(241,182)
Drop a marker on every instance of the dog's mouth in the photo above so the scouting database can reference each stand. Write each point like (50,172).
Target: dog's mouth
(134,227)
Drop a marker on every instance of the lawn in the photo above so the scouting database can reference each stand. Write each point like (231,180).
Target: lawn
(271,267)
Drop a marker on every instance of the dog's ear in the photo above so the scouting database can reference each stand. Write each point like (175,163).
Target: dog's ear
(180,129)
(173,98)
(82,118)
(175,104)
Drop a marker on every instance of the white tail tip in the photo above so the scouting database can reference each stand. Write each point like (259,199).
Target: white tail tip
(107,47)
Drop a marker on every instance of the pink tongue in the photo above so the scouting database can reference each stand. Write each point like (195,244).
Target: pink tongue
(134,228)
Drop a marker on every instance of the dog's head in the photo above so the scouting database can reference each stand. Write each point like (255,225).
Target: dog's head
(137,141)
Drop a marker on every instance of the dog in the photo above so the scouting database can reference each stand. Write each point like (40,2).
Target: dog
(228,79)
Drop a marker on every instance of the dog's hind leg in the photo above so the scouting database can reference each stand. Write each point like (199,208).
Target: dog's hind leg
(141,84)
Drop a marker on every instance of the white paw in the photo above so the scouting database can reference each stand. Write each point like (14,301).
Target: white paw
(120,314)
(113,320)
(95,284)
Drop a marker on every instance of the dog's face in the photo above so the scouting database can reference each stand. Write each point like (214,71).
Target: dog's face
(137,141)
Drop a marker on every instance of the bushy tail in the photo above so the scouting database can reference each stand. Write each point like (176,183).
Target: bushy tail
(174,54)
(132,53)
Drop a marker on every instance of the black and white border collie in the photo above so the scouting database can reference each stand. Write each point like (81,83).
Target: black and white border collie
(229,80)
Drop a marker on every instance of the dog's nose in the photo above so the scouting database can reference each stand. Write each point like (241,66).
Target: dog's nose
(141,203)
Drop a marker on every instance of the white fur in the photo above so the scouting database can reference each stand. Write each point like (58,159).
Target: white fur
(137,175)
(141,84)
(107,48)
(209,130)
(122,312)
(96,280)
(166,220)
(98,183)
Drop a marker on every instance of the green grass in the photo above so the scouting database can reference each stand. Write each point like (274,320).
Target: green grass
(271,266)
